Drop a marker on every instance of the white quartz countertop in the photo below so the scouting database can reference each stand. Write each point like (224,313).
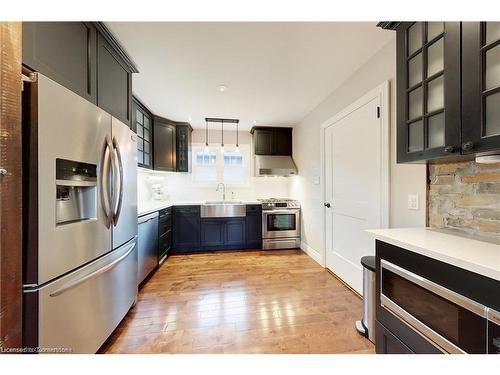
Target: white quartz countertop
(470,254)
(144,208)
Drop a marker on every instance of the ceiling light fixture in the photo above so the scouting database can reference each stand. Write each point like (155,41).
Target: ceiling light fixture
(222,121)
(222,88)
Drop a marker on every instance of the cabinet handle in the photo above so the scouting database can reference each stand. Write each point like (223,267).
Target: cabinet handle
(467,146)
(327,205)
(450,149)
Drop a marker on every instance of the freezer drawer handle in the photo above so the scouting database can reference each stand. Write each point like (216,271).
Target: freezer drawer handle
(91,275)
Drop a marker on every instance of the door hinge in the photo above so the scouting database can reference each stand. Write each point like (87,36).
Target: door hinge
(378,112)
(32,78)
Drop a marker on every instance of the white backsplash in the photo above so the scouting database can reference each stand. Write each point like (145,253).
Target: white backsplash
(179,187)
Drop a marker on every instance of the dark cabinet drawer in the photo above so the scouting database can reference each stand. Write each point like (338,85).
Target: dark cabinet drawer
(187,210)
(388,343)
(254,209)
(165,225)
(165,243)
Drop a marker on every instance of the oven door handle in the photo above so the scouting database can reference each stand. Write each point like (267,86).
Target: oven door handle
(291,212)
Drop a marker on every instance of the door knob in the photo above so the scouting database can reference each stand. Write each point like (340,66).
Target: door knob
(327,205)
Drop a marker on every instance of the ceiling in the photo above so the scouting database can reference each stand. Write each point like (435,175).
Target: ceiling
(275,73)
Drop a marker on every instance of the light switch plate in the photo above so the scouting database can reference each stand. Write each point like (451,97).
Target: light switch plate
(316,180)
(413,201)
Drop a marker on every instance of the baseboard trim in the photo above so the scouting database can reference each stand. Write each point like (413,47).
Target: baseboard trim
(315,255)
(345,284)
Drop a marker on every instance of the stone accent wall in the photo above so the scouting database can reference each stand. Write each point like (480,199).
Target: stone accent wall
(465,196)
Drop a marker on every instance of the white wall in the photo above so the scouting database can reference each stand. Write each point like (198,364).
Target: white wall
(405,179)
(179,187)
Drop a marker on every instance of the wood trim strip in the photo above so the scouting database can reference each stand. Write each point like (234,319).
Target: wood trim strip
(10,186)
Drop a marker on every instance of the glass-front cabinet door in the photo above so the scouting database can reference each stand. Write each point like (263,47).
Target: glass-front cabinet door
(143,126)
(480,86)
(428,90)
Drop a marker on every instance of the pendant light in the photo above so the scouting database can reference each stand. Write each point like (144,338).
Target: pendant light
(206,135)
(222,136)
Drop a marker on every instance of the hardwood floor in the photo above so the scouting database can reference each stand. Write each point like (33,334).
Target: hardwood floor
(241,302)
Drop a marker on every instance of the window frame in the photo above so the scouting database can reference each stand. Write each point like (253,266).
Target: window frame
(220,166)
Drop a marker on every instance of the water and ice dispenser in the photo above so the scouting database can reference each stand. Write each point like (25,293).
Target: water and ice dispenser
(76,191)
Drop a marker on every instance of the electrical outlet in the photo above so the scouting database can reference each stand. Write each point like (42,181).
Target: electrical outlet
(413,201)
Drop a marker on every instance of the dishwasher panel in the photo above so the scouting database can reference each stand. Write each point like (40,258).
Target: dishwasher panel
(148,245)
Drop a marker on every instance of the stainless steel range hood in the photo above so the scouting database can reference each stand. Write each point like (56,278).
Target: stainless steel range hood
(266,165)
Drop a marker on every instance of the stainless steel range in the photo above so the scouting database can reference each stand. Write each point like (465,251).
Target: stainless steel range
(280,224)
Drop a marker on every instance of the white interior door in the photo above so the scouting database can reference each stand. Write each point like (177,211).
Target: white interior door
(354,157)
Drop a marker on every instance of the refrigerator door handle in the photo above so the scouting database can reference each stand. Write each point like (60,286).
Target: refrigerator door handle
(119,165)
(91,275)
(105,188)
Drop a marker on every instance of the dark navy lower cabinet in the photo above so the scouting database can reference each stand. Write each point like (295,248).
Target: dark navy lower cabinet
(388,343)
(234,233)
(223,234)
(192,233)
(212,233)
(186,228)
(426,306)
(254,227)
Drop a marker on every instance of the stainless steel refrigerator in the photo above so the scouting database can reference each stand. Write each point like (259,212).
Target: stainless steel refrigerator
(80,220)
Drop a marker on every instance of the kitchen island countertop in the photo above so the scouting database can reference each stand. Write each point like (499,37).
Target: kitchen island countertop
(482,257)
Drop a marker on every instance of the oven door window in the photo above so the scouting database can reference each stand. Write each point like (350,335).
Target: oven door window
(456,324)
(281,222)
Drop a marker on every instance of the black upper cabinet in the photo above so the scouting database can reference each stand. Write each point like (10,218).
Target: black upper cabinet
(272,141)
(183,147)
(85,58)
(64,52)
(428,90)
(114,82)
(263,141)
(164,145)
(448,89)
(480,87)
(142,124)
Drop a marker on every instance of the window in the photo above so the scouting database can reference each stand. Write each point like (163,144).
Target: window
(211,166)
(143,128)
(205,166)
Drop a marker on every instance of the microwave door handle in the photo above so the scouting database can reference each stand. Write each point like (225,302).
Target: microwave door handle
(105,188)
(119,196)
